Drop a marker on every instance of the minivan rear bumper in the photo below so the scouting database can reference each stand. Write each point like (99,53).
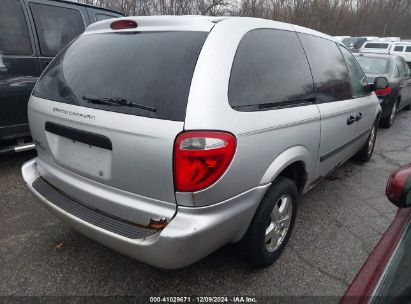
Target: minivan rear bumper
(193,233)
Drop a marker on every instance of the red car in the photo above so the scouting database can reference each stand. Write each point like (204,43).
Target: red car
(386,276)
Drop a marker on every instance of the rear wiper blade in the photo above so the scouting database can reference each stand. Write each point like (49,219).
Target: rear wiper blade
(117,102)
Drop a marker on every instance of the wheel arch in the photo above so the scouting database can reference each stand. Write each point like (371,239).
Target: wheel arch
(295,163)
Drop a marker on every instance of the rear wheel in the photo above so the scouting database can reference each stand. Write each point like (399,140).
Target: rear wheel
(366,151)
(272,224)
(388,121)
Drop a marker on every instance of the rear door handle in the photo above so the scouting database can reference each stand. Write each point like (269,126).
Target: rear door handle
(358,116)
(350,120)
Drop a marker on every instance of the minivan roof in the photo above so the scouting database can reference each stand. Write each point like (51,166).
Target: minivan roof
(164,22)
(195,23)
(88,5)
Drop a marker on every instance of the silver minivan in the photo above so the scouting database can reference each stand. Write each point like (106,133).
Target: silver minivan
(167,137)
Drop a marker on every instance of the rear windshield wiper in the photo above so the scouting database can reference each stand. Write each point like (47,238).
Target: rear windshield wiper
(117,102)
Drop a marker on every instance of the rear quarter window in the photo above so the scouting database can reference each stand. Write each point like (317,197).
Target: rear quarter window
(269,70)
(151,69)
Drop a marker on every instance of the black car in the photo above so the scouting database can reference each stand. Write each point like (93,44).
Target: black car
(397,95)
(32,32)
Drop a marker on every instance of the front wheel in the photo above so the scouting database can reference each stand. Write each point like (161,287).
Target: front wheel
(272,223)
(366,151)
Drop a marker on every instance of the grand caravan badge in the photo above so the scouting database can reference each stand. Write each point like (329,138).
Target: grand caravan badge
(75,114)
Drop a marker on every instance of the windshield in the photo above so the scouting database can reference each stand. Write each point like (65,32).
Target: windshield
(374,65)
(152,70)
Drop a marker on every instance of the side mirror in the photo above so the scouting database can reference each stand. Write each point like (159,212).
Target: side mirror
(399,187)
(380,83)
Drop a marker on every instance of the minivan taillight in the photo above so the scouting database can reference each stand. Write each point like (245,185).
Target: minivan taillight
(200,158)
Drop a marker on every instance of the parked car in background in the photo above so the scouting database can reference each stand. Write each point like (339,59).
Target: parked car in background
(340,38)
(32,32)
(164,151)
(386,276)
(354,43)
(375,47)
(390,39)
(397,95)
(402,49)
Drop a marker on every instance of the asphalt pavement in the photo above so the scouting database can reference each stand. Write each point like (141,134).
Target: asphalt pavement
(339,223)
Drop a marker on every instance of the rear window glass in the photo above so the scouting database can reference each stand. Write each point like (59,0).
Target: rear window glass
(151,69)
(374,65)
(376,45)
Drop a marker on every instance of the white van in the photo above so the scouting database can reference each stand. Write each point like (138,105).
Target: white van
(402,49)
(375,47)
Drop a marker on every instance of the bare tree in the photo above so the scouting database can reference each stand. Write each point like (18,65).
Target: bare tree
(335,17)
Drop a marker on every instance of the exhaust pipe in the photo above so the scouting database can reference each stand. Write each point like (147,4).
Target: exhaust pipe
(18,148)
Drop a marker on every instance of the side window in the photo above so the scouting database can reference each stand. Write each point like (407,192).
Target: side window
(14,35)
(408,49)
(328,67)
(398,48)
(397,72)
(401,67)
(55,26)
(359,83)
(406,67)
(269,70)
(100,17)
(376,45)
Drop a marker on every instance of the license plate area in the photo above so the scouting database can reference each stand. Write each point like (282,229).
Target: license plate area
(77,151)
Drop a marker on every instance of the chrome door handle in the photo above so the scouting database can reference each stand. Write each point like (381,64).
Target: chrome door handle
(358,116)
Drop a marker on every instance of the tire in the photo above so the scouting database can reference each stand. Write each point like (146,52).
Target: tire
(387,122)
(366,151)
(282,193)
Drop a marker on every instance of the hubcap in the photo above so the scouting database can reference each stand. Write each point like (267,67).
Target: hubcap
(279,223)
(394,110)
(371,141)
